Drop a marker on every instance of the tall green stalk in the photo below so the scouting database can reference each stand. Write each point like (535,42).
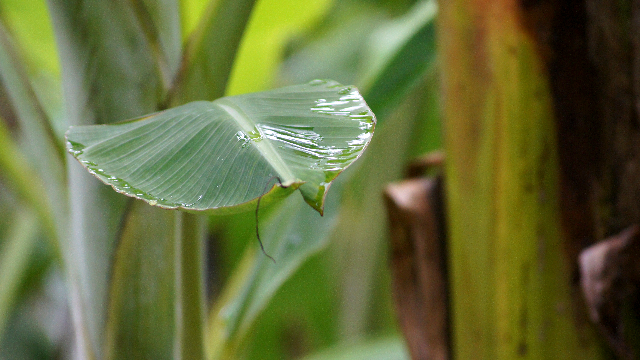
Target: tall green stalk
(189,271)
(207,63)
(510,281)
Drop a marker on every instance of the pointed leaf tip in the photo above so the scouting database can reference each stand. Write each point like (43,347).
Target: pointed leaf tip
(219,156)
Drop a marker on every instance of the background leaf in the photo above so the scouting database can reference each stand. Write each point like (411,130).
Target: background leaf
(159,21)
(272,24)
(14,262)
(391,348)
(24,180)
(35,36)
(291,234)
(40,143)
(401,52)
(109,73)
(141,318)
(191,12)
(211,50)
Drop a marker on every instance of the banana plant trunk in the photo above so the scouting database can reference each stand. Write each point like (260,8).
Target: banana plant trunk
(512,281)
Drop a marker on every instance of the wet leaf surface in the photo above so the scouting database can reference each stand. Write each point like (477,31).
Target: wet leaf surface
(215,155)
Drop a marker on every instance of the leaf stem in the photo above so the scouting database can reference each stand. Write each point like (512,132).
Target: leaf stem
(189,311)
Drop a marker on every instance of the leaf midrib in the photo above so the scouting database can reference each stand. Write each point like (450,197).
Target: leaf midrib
(264,146)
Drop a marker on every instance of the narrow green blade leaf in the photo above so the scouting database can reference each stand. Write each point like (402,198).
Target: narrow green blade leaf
(406,50)
(42,147)
(191,11)
(160,23)
(220,154)
(140,323)
(109,72)
(23,179)
(211,50)
(29,24)
(14,260)
(292,234)
(272,25)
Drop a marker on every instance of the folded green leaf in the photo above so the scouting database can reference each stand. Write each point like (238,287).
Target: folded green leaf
(222,154)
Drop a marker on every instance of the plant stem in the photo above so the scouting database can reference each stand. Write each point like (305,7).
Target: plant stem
(509,268)
(189,307)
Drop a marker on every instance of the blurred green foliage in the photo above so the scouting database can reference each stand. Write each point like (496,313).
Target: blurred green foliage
(331,299)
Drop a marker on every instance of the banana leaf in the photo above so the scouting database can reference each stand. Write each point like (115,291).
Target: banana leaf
(223,156)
